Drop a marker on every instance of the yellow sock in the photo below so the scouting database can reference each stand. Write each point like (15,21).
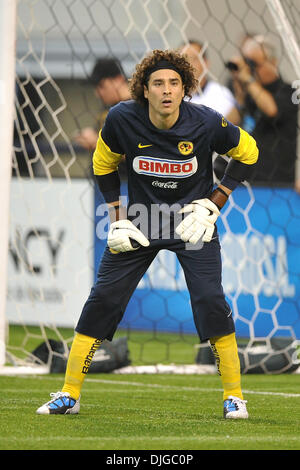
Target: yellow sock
(228,364)
(80,358)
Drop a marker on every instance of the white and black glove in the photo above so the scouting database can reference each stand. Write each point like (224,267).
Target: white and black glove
(123,235)
(200,223)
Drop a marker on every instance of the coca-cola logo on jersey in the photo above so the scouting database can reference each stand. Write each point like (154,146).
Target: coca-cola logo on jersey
(165,168)
(167,185)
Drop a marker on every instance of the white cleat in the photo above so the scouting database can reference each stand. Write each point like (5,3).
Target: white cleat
(235,408)
(60,404)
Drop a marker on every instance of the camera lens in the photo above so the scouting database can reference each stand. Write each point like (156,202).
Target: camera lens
(231,66)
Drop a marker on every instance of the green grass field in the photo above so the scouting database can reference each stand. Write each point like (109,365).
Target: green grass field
(151,412)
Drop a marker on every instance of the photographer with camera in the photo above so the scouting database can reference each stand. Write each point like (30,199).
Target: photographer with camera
(267,110)
(209,92)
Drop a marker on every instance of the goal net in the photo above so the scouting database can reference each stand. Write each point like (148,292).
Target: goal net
(58,221)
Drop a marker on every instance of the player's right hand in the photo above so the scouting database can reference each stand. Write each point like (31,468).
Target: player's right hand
(120,235)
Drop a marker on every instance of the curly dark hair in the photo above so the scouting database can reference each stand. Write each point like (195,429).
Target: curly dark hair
(140,76)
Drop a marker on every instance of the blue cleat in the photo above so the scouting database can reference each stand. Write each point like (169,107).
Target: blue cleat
(235,408)
(61,404)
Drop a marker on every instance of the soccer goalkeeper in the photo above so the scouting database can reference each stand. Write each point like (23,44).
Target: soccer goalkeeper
(168,143)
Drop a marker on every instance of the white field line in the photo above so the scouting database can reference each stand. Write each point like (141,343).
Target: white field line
(119,439)
(176,387)
(192,389)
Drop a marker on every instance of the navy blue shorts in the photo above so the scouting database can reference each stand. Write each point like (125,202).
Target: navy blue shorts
(119,275)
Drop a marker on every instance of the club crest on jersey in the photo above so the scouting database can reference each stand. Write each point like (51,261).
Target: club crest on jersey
(165,168)
(185,147)
(224,122)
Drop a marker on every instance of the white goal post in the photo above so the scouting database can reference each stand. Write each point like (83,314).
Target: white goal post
(286,32)
(8,10)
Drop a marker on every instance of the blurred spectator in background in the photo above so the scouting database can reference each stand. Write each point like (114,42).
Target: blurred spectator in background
(111,87)
(267,112)
(210,93)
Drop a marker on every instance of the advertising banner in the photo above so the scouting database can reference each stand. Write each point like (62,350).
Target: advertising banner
(50,263)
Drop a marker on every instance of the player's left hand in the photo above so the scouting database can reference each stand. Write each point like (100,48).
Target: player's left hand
(200,223)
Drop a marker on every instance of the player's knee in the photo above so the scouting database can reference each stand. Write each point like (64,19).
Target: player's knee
(208,297)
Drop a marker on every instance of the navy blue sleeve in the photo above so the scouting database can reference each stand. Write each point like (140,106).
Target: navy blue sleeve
(224,134)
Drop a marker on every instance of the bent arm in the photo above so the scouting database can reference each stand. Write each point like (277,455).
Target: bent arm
(240,167)
(105,166)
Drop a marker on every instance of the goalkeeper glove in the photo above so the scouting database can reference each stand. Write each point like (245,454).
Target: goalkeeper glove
(124,236)
(200,223)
